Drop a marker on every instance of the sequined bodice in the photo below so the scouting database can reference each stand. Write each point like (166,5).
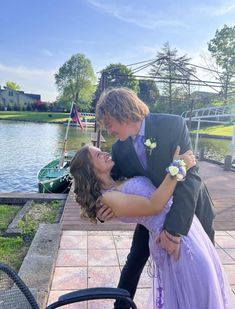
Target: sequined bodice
(142,186)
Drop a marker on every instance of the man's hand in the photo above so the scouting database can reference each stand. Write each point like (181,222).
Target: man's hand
(188,157)
(104,213)
(169,243)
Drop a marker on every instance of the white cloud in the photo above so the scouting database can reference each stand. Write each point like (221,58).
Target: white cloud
(141,17)
(215,9)
(31,80)
(223,10)
(47,52)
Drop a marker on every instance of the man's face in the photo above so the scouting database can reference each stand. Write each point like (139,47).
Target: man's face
(122,130)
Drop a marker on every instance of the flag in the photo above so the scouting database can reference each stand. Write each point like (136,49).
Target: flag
(76,116)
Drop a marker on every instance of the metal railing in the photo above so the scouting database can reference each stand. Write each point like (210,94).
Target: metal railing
(215,114)
(210,112)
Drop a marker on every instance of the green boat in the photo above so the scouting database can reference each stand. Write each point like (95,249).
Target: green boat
(55,176)
(54,179)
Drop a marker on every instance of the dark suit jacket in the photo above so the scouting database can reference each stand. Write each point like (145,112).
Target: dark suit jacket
(190,196)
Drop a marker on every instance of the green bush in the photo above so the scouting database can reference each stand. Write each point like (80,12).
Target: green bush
(27,227)
(39,213)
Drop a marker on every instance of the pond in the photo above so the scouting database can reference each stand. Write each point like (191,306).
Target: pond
(26,147)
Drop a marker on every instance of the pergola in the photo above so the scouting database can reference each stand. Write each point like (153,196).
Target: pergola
(184,77)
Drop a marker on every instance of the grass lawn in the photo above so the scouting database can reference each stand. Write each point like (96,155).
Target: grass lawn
(36,116)
(220,130)
(12,251)
(7,214)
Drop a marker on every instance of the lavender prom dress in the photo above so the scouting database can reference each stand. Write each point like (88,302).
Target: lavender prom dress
(196,280)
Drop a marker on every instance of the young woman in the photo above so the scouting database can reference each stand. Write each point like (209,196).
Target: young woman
(196,279)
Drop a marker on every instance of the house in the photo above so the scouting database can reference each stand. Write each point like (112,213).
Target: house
(16,100)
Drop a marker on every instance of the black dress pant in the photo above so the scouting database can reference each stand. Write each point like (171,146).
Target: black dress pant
(136,260)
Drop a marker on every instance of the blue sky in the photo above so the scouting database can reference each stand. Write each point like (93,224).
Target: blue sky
(37,37)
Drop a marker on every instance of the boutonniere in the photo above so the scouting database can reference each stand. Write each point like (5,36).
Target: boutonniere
(150,144)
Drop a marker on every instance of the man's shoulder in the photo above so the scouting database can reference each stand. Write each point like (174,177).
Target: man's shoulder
(164,119)
(162,116)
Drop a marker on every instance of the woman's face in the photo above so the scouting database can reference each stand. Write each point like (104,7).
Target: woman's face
(101,161)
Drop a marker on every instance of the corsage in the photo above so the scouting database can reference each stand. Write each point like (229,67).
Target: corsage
(177,169)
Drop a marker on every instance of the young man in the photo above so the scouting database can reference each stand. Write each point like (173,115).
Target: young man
(145,146)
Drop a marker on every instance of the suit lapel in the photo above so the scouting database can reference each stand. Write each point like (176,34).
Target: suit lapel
(150,133)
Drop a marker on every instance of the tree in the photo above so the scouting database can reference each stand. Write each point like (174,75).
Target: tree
(222,48)
(115,75)
(148,92)
(119,75)
(75,82)
(172,70)
(12,86)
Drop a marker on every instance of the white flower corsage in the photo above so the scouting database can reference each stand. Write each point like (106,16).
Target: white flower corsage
(177,169)
(150,144)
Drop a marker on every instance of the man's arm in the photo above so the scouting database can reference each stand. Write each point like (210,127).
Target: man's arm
(179,219)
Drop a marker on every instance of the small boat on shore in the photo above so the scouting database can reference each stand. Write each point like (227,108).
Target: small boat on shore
(55,176)
(54,179)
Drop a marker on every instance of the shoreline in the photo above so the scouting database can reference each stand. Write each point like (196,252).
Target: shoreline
(204,135)
(91,124)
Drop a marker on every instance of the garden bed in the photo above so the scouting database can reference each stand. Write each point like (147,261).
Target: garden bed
(15,241)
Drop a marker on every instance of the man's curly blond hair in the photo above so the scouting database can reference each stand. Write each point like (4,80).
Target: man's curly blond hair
(121,104)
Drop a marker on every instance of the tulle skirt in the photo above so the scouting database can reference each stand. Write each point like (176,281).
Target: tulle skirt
(195,281)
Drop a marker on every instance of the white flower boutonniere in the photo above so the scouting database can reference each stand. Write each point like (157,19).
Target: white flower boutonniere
(150,145)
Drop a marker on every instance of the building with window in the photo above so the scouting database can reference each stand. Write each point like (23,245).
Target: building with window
(16,100)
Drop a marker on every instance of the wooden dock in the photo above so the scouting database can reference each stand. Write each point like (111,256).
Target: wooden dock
(221,186)
(23,197)
(71,219)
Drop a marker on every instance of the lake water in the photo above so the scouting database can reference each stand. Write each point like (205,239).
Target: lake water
(25,147)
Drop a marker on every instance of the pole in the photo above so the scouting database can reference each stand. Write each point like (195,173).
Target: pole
(65,139)
(232,144)
(103,84)
(197,137)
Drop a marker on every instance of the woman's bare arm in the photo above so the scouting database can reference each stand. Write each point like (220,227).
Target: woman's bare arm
(128,205)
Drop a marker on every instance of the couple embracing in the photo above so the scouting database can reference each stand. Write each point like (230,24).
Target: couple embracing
(174,222)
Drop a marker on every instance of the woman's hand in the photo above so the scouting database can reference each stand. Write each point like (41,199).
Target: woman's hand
(188,157)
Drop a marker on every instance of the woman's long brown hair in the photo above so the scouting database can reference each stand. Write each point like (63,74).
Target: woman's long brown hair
(87,187)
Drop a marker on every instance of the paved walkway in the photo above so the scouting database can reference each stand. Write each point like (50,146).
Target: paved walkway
(95,258)
(93,255)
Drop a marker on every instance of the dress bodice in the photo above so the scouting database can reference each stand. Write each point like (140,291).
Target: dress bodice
(142,186)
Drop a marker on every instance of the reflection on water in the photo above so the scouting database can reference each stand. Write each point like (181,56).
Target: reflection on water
(26,147)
